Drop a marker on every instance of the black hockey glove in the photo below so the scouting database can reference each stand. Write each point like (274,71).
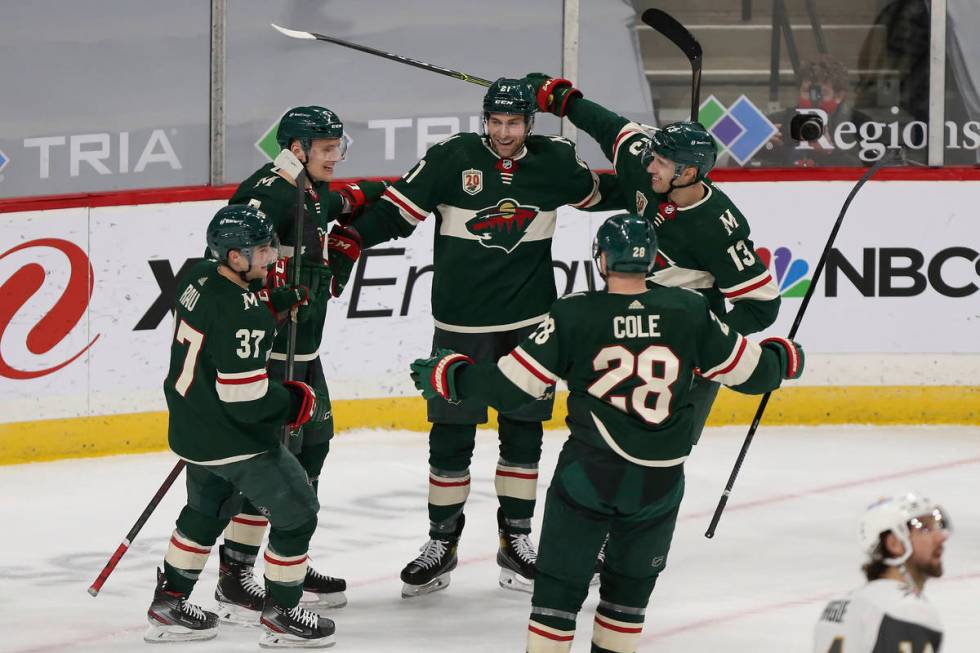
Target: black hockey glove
(791,356)
(436,375)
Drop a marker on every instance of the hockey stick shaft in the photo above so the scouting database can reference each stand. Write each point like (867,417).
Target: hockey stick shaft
(298,240)
(723,501)
(455,74)
(96,587)
(668,26)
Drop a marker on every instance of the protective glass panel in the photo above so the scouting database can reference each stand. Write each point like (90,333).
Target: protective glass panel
(391,112)
(862,66)
(102,95)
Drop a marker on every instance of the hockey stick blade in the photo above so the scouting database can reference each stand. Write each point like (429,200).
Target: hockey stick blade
(673,30)
(313,36)
(677,34)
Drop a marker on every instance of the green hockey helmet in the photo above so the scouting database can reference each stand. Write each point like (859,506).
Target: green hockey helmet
(308,123)
(686,144)
(244,228)
(510,96)
(629,242)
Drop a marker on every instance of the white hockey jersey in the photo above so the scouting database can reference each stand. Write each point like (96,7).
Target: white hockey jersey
(883,616)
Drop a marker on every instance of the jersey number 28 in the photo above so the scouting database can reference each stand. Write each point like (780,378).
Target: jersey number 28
(622,364)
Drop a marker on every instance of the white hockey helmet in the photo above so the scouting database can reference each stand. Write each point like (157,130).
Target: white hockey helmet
(897,514)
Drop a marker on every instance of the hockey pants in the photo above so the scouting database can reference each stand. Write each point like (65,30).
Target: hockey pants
(273,481)
(596,493)
(246,530)
(453,433)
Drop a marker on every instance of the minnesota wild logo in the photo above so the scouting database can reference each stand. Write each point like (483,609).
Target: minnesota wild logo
(502,226)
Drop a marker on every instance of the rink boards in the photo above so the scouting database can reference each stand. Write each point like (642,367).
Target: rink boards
(890,333)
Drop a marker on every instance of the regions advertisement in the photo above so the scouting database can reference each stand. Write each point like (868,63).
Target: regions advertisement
(85,319)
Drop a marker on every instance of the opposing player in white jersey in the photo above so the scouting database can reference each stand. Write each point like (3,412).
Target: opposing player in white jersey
(903,538)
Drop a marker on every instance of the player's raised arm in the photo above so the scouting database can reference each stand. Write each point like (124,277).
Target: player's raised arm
(610,130)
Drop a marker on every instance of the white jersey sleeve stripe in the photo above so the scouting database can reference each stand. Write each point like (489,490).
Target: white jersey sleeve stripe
(762,287)
(241,386)
(629,129)
(593,197)
(738,367)
(412,213)
(232,378)
(534,366)
(521,371)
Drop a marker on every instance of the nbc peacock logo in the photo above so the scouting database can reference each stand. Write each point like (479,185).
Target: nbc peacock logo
(791,273)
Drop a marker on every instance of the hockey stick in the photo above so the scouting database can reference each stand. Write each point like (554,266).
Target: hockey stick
(297,34)
(95,587)
(683,39)
(792,333)
(298,239)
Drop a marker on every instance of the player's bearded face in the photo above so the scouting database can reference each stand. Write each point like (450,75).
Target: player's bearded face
(507,133)
(325,153)
(927,548)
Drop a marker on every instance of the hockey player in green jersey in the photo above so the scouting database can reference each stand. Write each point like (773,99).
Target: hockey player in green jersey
(494,197)
(703,237)
(628,354)
(311,137)
(225,421)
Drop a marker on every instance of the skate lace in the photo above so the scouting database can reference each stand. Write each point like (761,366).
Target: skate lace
(432,552)
(304,617)
(523,547)
(191,610)
(319,576)
(251,587)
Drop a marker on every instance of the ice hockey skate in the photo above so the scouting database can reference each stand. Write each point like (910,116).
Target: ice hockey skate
(173,619)
(294,627)
(322,592)
(240,597)
(515,557)
(430,571)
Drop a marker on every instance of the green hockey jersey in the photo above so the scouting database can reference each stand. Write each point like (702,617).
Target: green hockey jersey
(276,196)
(705,246)
(222,405)
(495,218)
(629,361)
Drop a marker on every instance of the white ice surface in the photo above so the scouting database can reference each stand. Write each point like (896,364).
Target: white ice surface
(786,542)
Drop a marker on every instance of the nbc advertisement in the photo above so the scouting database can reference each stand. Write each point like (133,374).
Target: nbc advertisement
(85,322)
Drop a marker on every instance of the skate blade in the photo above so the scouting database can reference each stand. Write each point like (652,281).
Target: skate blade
(161,634)
(270,639)
(434,585)
(331,601)
(232,613)
(511,580)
